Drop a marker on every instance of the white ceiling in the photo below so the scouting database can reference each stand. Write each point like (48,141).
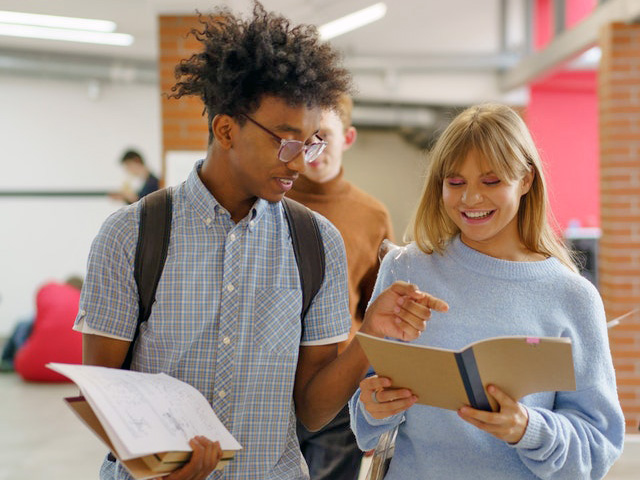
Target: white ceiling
(411,27)
(423,52)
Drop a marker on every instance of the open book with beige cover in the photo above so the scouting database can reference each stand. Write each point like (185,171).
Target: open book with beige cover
(449,379)
(145,419)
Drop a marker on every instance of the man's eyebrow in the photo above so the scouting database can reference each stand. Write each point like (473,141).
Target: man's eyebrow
(286,128)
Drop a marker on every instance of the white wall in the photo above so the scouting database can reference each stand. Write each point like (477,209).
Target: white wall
(53,136)
(386,166)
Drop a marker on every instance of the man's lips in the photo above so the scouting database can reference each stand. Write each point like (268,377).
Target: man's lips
(285,183)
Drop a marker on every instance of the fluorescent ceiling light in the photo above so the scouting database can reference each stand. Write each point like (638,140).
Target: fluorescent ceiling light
(19,18)
(352,21)
(69,29)
(83,36)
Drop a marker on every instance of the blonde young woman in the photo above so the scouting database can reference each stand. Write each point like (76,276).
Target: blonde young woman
(483,244)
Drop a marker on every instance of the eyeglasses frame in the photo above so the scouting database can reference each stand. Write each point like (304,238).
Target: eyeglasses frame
(284,142)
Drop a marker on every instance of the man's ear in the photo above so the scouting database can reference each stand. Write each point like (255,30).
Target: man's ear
(223,128)
(350,137)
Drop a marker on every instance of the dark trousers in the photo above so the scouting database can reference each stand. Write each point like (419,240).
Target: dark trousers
(331,453)
(18,338)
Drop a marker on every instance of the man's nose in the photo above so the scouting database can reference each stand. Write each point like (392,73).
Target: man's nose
(297,164)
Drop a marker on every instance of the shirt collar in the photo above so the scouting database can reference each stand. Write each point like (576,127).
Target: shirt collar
(207,207)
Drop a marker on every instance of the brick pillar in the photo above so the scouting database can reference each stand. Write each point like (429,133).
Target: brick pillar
(619,260)
(183,125)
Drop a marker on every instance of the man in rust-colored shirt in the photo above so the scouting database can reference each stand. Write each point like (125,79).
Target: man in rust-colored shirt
(363,222)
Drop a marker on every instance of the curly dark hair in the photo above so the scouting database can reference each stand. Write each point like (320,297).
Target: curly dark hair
(245,60)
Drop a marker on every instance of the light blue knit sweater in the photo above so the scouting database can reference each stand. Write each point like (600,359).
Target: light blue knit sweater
(570,435)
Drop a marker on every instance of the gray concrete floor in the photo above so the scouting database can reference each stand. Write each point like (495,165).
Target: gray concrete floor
(41,439)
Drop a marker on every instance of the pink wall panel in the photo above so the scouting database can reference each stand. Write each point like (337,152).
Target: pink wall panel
(543,23)
(563,118)
(576,10)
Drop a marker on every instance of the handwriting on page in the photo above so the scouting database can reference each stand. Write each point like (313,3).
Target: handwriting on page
(165,416)
(147,412)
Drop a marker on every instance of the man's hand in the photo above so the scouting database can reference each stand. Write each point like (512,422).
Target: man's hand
(508,424)
(206,455)
(401,311)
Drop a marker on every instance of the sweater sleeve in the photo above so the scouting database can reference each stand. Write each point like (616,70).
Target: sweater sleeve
(367,429)
(583,435)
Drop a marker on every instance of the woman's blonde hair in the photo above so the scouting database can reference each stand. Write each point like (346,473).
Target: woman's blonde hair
(500,137)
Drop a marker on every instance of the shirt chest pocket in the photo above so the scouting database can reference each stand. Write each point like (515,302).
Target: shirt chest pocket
(276,321)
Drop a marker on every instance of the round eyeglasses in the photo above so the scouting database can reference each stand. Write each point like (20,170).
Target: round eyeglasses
(290,149)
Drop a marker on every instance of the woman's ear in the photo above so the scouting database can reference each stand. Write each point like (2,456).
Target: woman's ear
(527,181)
(222,127)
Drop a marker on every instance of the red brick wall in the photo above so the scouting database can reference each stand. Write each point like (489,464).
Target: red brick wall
(619,260)
(183,125)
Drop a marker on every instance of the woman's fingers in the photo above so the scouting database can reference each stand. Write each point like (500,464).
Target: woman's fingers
(381,401)
(508,424)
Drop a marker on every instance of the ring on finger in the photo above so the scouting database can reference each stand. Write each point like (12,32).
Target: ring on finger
(374,397)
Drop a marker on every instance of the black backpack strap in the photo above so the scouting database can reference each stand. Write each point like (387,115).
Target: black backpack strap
(155,224)
(308,248)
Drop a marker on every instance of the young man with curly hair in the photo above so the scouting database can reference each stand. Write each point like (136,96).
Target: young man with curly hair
(227,313)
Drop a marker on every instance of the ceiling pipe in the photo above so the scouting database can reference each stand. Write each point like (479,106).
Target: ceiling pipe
(568,44)
(77,68)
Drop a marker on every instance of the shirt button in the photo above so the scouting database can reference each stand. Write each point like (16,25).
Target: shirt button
(208,221)
(226,340)
(222,394)
(252,223)
(230,287)
(232,237)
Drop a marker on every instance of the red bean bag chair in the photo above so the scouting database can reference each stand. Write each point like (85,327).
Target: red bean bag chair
(52,338)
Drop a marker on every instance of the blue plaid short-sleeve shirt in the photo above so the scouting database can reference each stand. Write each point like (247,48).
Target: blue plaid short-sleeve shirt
(226,318)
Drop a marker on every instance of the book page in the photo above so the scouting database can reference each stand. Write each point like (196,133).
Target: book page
(146,413)
(136,466)
(524,365)
(430,373)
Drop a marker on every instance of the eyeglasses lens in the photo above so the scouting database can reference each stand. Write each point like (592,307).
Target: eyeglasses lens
(313,151)
(290,150)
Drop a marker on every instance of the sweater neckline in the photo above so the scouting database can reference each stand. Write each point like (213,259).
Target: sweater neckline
(335,186)
(499,268)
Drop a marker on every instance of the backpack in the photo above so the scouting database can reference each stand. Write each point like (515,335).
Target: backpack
(154,232)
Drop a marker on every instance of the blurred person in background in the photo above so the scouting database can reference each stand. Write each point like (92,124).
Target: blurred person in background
(141,181)
(363,222)
(48,337)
